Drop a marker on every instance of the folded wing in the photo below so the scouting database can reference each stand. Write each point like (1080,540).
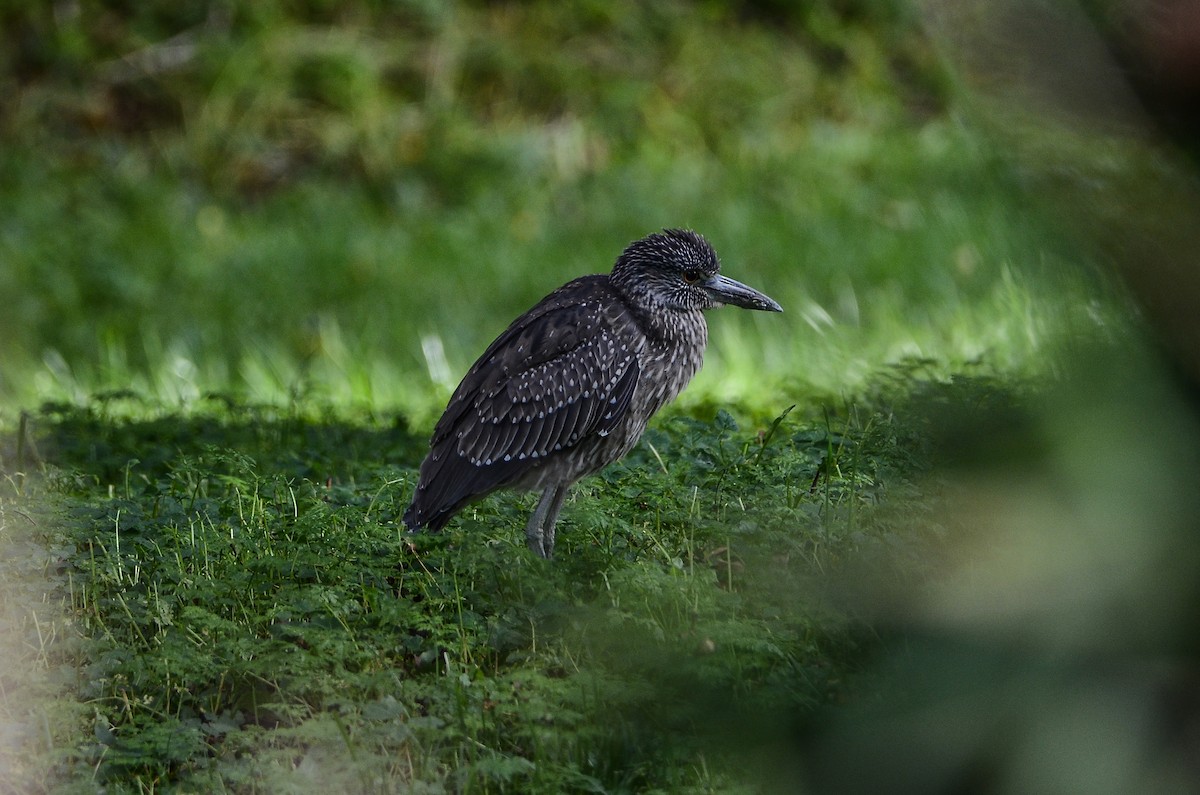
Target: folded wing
(560,375)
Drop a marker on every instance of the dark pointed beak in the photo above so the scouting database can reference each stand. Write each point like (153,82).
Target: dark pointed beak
(727,291)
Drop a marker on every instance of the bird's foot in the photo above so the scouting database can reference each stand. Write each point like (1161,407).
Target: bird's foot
(537,543)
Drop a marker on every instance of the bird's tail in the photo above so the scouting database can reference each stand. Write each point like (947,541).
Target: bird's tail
(419,516)
(447,485)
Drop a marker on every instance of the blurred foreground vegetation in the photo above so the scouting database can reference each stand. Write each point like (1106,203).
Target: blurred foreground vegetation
(926,531)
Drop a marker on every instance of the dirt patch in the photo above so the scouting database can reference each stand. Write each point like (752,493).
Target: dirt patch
(38,651)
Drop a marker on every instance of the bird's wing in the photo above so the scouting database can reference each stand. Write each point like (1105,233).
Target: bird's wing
(559,374)
(559,378)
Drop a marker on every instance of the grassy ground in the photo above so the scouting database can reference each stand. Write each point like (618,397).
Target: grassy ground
(256,618)
(248,250)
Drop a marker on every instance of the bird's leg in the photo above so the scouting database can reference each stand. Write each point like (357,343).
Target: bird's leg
(539,532)
(533,529)
(551,519)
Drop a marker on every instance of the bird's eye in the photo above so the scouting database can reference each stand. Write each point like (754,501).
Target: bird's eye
(691,277)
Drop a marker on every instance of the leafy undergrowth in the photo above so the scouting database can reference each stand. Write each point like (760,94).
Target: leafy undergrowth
(257,619)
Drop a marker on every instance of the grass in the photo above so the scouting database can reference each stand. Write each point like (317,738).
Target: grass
(285,244)
(886,234)
(356,317)
(257,618)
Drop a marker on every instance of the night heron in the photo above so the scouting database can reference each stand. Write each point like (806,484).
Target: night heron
(569,387)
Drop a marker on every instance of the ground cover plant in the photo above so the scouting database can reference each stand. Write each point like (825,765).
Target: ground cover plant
(248,248)
(259,620)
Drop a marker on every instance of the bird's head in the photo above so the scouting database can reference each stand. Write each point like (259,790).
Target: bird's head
(677,269)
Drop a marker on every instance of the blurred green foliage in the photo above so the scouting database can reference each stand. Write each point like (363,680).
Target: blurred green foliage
(448,99)
(278,196)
